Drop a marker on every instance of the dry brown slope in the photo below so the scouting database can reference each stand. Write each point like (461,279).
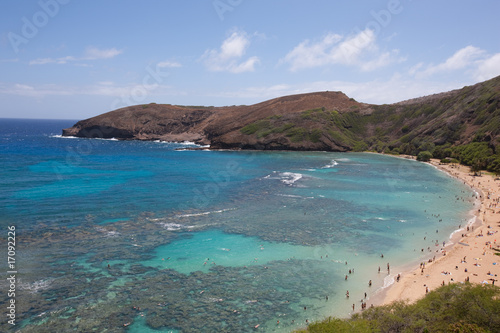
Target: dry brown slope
(317,121)
(204,125)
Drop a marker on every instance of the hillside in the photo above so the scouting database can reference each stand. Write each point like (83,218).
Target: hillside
(464,124)
(451,308)
(221,127)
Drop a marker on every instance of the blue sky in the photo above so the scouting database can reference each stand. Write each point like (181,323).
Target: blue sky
(70,59)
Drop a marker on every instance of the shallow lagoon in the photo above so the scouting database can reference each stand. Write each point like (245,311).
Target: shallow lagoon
(207,240)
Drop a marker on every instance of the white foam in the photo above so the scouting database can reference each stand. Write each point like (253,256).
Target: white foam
(172,226)
(206,213)
(195,214)
(109,233)
(182,143)
(332,164)
(107,139)
(289,178)
(290,196)
(469,223)
(59,136)
(36,286)
(294,196)
(388,281)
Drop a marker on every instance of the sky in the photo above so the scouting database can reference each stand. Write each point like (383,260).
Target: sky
(75,59)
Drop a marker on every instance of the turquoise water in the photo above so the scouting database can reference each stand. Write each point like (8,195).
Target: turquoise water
(150,237)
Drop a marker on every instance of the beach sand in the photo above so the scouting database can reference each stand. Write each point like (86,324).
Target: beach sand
(471,257)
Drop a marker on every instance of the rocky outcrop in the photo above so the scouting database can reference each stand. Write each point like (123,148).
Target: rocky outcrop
(218,126)
(329,121)
(145,122)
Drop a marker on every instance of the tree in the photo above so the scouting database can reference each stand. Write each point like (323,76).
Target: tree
(476,167)
(424,156)
(427,146)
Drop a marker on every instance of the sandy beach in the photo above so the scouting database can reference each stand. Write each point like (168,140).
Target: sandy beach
(471,257)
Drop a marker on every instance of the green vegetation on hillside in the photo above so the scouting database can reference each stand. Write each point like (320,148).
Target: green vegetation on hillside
(263,128)
(463,125)
(461,308)
(424,156)
(311,125)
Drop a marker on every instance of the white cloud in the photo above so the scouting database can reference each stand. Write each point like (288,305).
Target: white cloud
(104,88)
(91,53)
(9,60)
(23,87)
(349,51)
(396,89)
(307,55)
(463,58)
(476,63)
(358,50)
(414,69)
(234,47)
(20,89)
(382,60)
(228,57)
(169,64)
(43,61)
(488,68)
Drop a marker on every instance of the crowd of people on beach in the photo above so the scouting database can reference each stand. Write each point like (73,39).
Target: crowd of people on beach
(478,241)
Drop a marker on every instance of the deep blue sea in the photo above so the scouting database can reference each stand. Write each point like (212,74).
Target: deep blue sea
(129,236)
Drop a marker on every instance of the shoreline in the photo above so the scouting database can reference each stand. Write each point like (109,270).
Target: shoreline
(469,256)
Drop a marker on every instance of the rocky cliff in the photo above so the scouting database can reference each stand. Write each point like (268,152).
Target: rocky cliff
(329,121)
(224,127)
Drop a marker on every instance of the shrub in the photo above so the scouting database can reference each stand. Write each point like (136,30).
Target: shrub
(297,134)
(424,156)
(360,146)
(315,135)
(463,308)
(254,127)
(472,153)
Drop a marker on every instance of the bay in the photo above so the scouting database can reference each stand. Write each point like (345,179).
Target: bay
(149,236)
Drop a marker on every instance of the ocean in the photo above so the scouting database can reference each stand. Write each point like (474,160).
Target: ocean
(130,236)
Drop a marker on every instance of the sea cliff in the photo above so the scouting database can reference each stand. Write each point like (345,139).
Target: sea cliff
(463,124)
